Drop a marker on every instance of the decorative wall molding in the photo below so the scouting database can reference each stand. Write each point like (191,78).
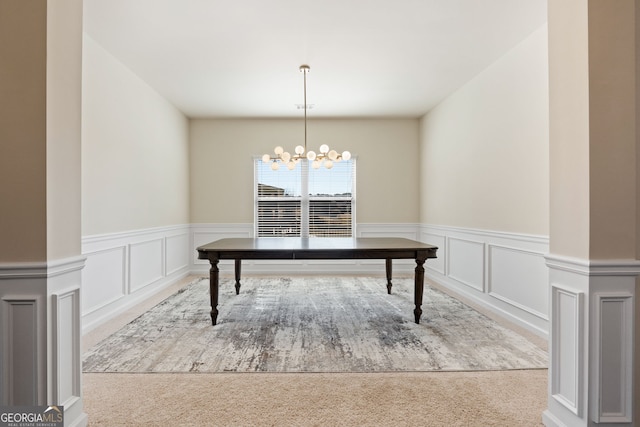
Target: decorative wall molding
(123,269)
(23,352)
(567,351)
(40,329)
(504,272)
(613,322)
(591,343)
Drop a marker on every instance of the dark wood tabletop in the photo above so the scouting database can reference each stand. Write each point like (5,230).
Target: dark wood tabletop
(295,248)
(315,248)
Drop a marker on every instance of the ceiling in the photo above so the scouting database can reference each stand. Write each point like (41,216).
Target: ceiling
(368,58)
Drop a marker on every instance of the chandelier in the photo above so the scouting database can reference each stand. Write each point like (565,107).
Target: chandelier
(325,156)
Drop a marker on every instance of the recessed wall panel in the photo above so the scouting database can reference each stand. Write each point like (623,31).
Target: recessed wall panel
(145,263)
(466,262)
(520,278)
(103,278)
(177,250)
(566,348)
(20,351)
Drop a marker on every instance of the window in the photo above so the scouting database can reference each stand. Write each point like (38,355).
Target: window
(305,202)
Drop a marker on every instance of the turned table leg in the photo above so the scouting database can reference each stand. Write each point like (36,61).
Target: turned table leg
(419,288)
(237,270)
(213,289)
(389,263)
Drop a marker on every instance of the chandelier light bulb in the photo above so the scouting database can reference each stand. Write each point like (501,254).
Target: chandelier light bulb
(299,150)
(285,157)
(275,166)
(291,165)
(324,148)
(346,155)
(311,155)
(333,155)
(328,164)
(266,158)
(278,150)
(316,164)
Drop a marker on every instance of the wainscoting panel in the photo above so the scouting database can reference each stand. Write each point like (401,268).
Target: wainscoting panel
(146,263)
(566,348)
(103,278)
(21,345)
(123,269)
(177,253)
(64,287)
(614,319)
(504,272)
(466,262)
(514,277)
(591,344)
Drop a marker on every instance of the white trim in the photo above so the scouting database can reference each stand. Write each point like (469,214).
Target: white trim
(621,350)
(612,267)
(448,230)
(39,270)
(568,395)
(23,270)
(132,234)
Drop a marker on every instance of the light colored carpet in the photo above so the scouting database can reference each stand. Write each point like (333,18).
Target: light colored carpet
(496,398)
(306,324)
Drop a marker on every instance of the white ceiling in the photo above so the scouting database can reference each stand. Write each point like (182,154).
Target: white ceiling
(368,58)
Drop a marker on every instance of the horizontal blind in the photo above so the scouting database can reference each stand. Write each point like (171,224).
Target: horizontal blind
(327,209)
(330,217)
(278,218)
(278,196)
(331,196)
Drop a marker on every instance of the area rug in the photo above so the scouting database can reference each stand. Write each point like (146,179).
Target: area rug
(312,324)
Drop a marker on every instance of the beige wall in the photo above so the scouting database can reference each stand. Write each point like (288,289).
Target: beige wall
(222,164)
(612,130)
(64,76)
(23,49)
(135,161)
(485,149)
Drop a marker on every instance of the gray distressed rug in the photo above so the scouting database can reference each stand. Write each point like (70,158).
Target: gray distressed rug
(312,324)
